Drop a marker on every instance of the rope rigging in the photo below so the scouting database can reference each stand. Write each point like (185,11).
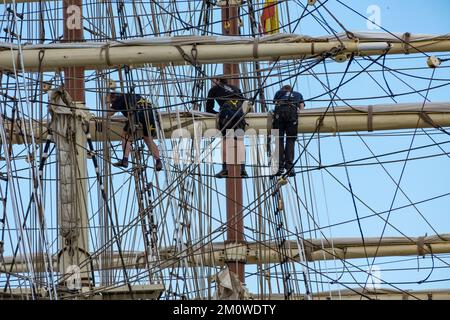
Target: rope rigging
(150,228)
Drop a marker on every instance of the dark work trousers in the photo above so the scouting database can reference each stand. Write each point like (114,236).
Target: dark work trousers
(287,151)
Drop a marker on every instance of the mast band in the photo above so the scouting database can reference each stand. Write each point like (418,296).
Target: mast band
(255,49)
(370,118)
(107,59)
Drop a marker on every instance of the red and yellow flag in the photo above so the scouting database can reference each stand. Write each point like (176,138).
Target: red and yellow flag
(269,17)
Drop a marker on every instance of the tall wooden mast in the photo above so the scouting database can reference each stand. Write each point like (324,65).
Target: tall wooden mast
(71,141)
(235,226)
(73,32)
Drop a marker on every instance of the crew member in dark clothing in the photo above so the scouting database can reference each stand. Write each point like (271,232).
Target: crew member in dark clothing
(129,105)
(287,104)
(231,116)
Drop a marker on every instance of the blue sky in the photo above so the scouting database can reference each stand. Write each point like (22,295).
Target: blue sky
(413,16)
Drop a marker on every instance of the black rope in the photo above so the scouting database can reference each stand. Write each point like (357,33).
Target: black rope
(105,202)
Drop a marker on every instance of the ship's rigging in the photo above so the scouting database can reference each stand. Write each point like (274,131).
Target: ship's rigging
(139,234)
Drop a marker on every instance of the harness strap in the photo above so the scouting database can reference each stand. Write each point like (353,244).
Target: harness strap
(231,104)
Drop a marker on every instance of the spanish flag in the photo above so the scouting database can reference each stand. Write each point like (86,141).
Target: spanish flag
(269,18)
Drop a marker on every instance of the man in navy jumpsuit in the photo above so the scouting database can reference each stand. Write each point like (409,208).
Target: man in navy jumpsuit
(287,104)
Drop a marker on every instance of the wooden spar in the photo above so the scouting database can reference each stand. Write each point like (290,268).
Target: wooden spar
(104,57)
(120,292)
(391,117)
(372,294)
(217,254)
(153,291)
(19,1)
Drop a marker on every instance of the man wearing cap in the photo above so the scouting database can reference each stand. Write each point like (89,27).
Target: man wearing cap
(287,104)
(231,116)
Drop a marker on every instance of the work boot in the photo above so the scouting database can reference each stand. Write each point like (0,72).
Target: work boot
(121,164)
(158,165)
(223,173)
(243,172)
(291,172)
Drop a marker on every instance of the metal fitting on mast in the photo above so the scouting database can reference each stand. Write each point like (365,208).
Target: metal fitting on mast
(433,62)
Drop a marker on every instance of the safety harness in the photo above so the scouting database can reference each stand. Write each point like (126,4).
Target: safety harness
(286,109)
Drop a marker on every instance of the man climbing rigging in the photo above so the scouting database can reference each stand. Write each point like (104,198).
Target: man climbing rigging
(138,111)
(231,116)
(287,104)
